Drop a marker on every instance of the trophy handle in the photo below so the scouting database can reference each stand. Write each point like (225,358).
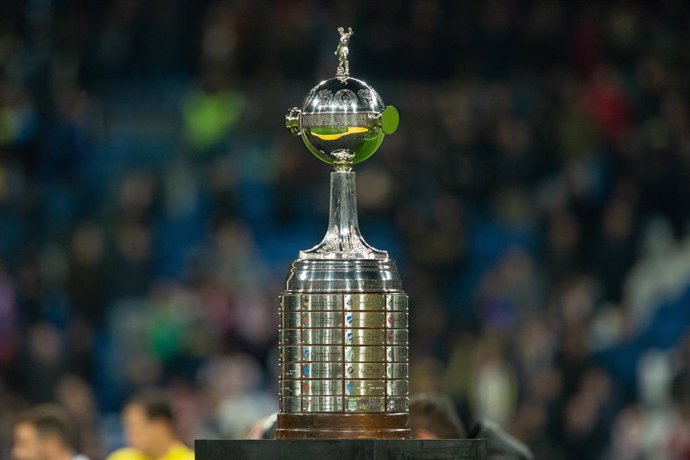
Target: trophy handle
(292,122)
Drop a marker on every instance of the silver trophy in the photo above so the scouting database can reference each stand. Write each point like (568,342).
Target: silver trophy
(343,315)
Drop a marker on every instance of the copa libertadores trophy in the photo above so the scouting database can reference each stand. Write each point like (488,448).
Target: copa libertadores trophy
(343,314)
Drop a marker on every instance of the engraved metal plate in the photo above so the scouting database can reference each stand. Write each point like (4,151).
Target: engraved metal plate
(363,354)
(290,319)
(396,320)
(322,302)
(396,302)
(322,353)
(397,354)
(396,388)
(365,319)
(365,370)
(290,405)
(322,319)
(338,119)
(289,302)
(322,370)
(396,370)
(365,337)
(322,336)
(290,388)
(396,337)
(289,336)
(365,404)
(370,302)
(291,370)
(365,388)
(322,387)
(398,404)
(322,404)
(289,354)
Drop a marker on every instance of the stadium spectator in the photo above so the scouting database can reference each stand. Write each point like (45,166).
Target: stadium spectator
(150,430)
(45,433)
(432,416)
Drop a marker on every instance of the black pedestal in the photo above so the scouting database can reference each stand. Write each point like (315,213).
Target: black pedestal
(346,449)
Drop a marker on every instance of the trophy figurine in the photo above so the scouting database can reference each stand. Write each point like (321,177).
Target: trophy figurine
(343,328)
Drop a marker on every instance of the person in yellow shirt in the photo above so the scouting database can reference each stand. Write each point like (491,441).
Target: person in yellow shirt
(150,430)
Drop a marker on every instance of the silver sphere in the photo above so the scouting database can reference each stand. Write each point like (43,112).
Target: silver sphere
(342,121)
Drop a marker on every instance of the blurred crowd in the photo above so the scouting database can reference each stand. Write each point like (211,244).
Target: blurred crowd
(535,197)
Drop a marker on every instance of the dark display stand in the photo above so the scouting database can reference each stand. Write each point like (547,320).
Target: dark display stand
(349,449)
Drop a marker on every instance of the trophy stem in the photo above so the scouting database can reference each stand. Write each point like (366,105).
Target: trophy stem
(343,239)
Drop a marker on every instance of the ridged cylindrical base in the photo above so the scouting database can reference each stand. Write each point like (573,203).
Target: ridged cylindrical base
(343,351)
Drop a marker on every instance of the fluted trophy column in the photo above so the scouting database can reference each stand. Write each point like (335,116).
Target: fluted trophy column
(343,328)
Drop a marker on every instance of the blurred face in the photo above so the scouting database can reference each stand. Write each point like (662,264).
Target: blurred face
(139,430)
(151,437)
(27,443)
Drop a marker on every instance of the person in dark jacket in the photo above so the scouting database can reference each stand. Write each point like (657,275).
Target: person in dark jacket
(433,416)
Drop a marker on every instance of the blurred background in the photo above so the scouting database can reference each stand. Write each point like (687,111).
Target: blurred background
(535,197)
